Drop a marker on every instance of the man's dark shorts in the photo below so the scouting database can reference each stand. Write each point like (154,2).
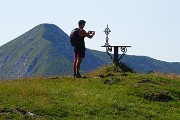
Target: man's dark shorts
(79,53)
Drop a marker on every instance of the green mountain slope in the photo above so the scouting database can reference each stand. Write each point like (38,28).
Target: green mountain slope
(120,96)
(31,53)
(144,64)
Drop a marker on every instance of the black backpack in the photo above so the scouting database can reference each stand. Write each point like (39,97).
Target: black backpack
(74,37)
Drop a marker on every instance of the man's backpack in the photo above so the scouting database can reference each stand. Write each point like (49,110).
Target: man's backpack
(74,37)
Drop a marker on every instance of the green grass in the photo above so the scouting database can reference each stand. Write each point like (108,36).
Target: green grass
(128,96)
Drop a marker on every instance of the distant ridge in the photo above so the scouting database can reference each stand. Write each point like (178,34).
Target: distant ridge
(45,50)
(144,64)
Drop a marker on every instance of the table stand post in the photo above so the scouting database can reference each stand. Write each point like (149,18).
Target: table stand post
(116,59)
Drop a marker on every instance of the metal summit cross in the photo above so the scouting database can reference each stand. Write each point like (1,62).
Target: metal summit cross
(116,57)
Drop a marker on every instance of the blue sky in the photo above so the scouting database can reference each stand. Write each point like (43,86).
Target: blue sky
(151,27)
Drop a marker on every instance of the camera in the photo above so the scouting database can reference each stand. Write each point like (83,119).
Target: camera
(91,32)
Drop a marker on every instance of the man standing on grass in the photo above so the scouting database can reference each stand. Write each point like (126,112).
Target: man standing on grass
(79,51)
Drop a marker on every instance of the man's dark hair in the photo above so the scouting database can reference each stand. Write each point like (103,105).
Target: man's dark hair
(82,22)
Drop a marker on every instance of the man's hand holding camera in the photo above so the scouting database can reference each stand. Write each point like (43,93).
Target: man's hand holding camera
(91,33)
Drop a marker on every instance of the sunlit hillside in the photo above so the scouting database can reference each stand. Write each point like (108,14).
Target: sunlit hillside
(107,93)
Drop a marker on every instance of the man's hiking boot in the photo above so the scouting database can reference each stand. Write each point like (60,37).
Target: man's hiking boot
(74,75)
(78,75)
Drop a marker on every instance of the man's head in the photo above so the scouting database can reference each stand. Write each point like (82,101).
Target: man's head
(81,23)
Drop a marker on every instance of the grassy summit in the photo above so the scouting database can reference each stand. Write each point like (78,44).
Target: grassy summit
(112,94)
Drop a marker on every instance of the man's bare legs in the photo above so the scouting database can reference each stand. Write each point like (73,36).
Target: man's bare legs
(76,64)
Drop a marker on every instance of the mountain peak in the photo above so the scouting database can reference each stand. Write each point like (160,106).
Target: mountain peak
(50,27)
(47,24)
(34,52)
